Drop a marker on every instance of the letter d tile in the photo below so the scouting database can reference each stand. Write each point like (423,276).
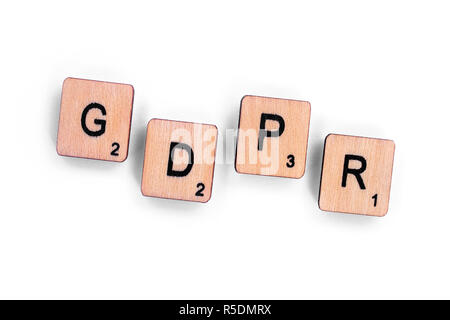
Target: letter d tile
(179,160)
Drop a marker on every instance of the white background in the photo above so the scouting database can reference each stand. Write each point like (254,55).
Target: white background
(74,228)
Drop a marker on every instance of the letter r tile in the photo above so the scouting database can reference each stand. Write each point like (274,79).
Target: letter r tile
(95,119)
(179,160)
(356,175)
(273,137)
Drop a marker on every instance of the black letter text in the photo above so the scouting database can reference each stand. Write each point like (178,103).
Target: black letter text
(182,146)
(101,123)
(355,172)
(262,128)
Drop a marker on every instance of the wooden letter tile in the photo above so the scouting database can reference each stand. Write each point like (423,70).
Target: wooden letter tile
(273,137)
(95,119)
(179,160)
(356,175)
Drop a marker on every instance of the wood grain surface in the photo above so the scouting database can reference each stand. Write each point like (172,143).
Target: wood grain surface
(117,100)
(197,184)
(378,155)
(283,156)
